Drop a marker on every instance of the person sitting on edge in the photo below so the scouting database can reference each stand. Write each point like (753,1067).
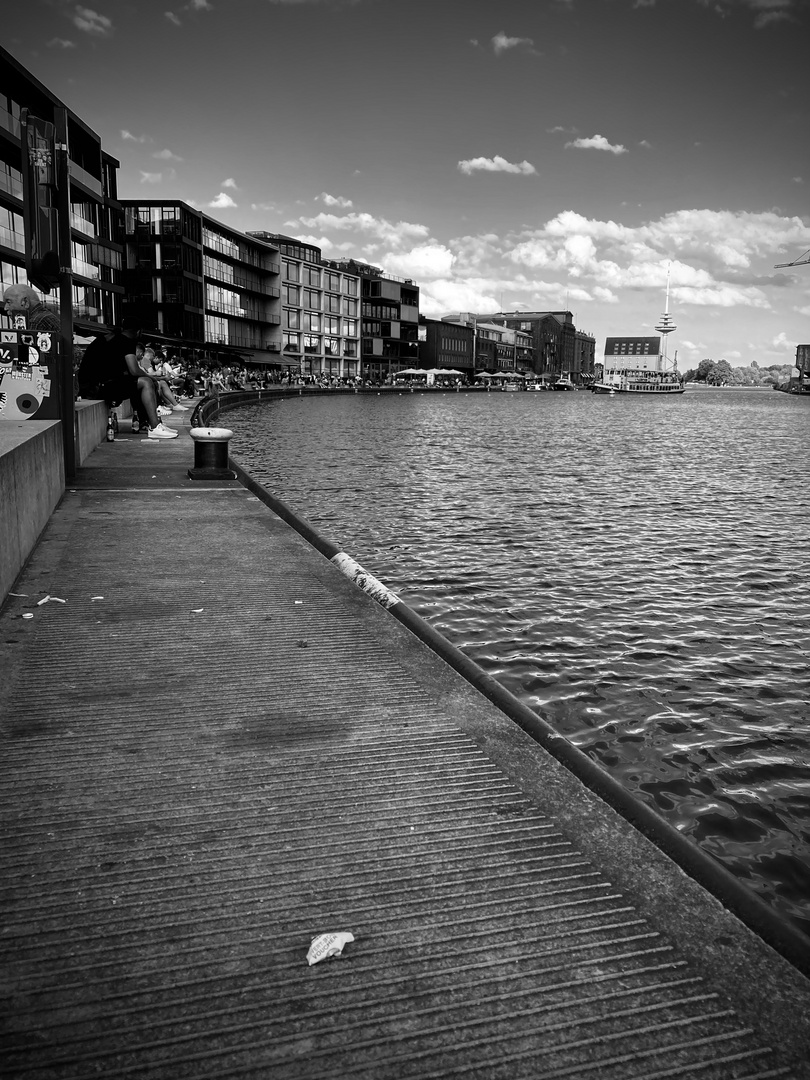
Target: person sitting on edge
(22,300)
(109,370)
(146,360)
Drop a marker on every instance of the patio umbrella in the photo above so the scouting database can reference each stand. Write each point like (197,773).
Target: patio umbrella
(410,371)
(483,375)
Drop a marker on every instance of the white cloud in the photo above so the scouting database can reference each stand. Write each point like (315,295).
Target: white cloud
(61,43)
(127,136)
(423,262)
(170,15)
(596,142)
(781,341)
(334,200)
(150,177)
(394,234)
(166,155)
(223,201)
(200,5)
(91,22)
(501,42)
(230,183)
(495,164)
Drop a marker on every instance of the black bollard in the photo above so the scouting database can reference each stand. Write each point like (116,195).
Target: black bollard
(211,454)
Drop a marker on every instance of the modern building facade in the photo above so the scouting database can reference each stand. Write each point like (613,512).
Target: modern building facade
(95,213)
(389,328)
(446,345)
(200,285)
(320,311)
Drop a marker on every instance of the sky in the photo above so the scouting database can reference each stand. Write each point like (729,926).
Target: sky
(510,155)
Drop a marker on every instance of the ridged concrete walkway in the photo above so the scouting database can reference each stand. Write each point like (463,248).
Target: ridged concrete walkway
(217,747)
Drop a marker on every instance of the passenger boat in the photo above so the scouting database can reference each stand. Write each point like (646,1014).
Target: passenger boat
(639,365)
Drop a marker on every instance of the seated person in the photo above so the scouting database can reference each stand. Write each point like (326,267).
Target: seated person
(109,370)
(146,360)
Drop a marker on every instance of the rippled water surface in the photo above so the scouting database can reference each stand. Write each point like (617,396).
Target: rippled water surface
(633,569)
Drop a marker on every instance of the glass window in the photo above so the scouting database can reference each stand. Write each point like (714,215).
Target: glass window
(292,319)
(312,299)
(332,303)
(350,307)
(292,294)
(331,325)
(350,286)
(292,343)
(312,344)
(331,281)
(312,276)
(292,271)
(350,348)
(312,322)
(350,327)
(331,346)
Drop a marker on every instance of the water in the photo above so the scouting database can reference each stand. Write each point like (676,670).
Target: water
(634,569)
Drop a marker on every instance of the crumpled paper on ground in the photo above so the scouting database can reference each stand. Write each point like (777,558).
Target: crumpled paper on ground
(327,945)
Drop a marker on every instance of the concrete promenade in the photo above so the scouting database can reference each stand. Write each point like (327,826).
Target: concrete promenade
(217,747)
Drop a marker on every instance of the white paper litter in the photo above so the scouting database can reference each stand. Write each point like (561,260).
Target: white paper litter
(28,615)
(96,598)
(196,610)
(327,945)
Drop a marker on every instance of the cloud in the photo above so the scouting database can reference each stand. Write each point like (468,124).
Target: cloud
(91,22)
(230,183)
(335,200)
(166,155)
(766,12)
(151,177)
(781,341)
(200,5)
(61,43)
(423,262)
(596,142)
(393,234)
(496,164)
(223,201)
(500,43)
(127,136)
(170,15)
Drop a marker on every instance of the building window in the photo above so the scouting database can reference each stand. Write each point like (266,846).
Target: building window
(292,318)
(292,343)
(312,322)
(312,299)
(350,307)
(312,276)
(292,271)
(332,303)
(350,348)
(350,286)
(331,325)
(350,327)
(312,344)
(331,281)
(331,346)
(291,295)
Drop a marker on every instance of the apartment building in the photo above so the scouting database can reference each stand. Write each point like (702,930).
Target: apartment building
(198,284)
(95,213)
(389,328)
(320,311)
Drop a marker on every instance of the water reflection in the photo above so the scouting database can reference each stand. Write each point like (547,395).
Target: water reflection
(632,569)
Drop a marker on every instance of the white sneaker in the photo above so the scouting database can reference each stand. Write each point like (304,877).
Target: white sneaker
(179,408)
(164,410)
(162,432)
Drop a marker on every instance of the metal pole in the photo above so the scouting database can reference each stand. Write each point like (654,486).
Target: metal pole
(67,406)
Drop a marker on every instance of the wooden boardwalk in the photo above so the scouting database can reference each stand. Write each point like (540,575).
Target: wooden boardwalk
(217,748)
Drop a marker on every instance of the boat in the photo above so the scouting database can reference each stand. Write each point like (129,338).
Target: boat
(640,365)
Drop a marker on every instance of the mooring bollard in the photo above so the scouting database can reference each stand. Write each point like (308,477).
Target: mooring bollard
(211,454)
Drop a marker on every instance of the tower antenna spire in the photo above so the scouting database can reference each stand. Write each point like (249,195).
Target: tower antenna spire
(665,324)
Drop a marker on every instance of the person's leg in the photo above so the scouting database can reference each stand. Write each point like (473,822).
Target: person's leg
(146,388)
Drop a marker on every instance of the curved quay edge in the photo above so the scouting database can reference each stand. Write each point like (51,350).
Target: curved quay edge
(775,930)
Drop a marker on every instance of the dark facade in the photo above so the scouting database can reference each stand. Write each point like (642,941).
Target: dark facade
(199,284)
(446,345)
(95,213)
(559,348)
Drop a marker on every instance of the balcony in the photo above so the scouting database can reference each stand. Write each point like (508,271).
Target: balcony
(82,225)
(86,178)
(13,240)
(10,123)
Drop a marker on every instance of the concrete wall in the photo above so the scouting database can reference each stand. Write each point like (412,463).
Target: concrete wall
(32,481)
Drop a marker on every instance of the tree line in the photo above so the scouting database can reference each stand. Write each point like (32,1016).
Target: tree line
(721,373)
